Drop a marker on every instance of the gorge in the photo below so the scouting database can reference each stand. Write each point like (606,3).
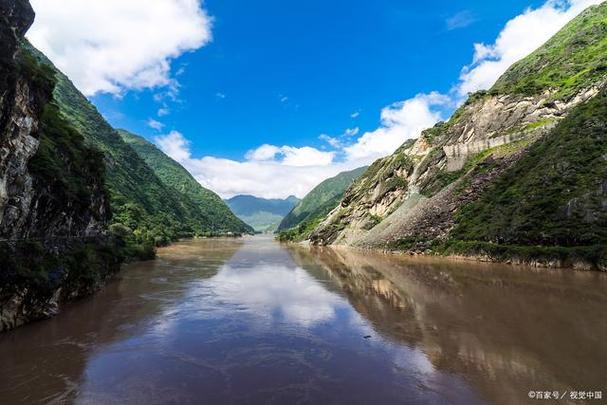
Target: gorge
(468,266)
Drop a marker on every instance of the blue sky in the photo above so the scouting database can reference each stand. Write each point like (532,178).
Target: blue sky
(305,79)
(328,58)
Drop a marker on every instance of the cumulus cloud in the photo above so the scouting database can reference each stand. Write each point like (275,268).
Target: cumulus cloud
(521,36)
(291,156)
(175,145)
(269,171)
(115,45)
(278,171)
(399,122)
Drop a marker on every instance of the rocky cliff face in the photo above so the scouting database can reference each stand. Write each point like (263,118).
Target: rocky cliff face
(53,204)
(21,108)
(422,170)
(425,196)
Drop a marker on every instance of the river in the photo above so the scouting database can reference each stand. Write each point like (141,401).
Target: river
(223,321)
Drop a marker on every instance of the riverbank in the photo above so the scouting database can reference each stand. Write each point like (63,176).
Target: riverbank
(588,258)
(251,321)
(39,277)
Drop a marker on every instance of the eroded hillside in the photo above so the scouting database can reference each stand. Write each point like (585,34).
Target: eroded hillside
(512,165)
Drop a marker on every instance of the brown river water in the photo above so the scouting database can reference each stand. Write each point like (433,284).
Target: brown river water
(230,321)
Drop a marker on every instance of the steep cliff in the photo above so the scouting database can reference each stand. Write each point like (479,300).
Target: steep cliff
(146,211)
(316,205)
(53,204)
(511,174)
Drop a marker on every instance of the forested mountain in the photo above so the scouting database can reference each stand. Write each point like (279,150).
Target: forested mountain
(75,198)
(139,199)
(517,173)
(207,212)
(316,205)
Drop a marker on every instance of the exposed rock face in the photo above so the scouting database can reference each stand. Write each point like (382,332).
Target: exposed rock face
(517,174)
(402,180)
(46,220)
(19,115)
(414,195)
(518,168)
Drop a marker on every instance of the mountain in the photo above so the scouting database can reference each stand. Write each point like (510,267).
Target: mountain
(146,209)
(316,205)
(75,198)
(262,214)
(207,208)
(517,174)
(54,207)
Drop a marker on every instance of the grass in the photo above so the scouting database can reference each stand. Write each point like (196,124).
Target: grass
(553,196)
(321,200)
(154,197)
(572,60)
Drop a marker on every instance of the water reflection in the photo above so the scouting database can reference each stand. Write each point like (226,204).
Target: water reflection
(507,330)
(251,321)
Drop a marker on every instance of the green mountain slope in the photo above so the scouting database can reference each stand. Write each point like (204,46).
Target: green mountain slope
(207,210)
(54,208)
(555,195)
(317,204)
(570,60)
(262,214)
(145,211)
(517,174)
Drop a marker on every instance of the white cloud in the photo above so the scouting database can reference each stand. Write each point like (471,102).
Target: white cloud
(352,131)
(220,95)
(175,145)
(115,45)
(277,294)
(334,142)
(157,125)
(400,121)
(291,156)
(462,19)
(268,171)
(521,36)
(263,153)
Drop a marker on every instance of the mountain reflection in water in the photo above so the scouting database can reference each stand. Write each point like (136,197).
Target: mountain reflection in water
(253,321)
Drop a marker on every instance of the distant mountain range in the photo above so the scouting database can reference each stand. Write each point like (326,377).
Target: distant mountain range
(262,214)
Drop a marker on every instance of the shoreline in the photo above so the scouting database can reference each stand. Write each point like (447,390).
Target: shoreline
(540,262)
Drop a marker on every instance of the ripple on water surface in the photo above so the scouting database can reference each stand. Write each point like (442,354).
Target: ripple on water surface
(252,321)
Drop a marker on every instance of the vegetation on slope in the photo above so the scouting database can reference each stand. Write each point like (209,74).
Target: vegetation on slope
(208,210)
(549,206)
(146,212)
(302,220)
(554,195)
(568,62)
(68,190)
